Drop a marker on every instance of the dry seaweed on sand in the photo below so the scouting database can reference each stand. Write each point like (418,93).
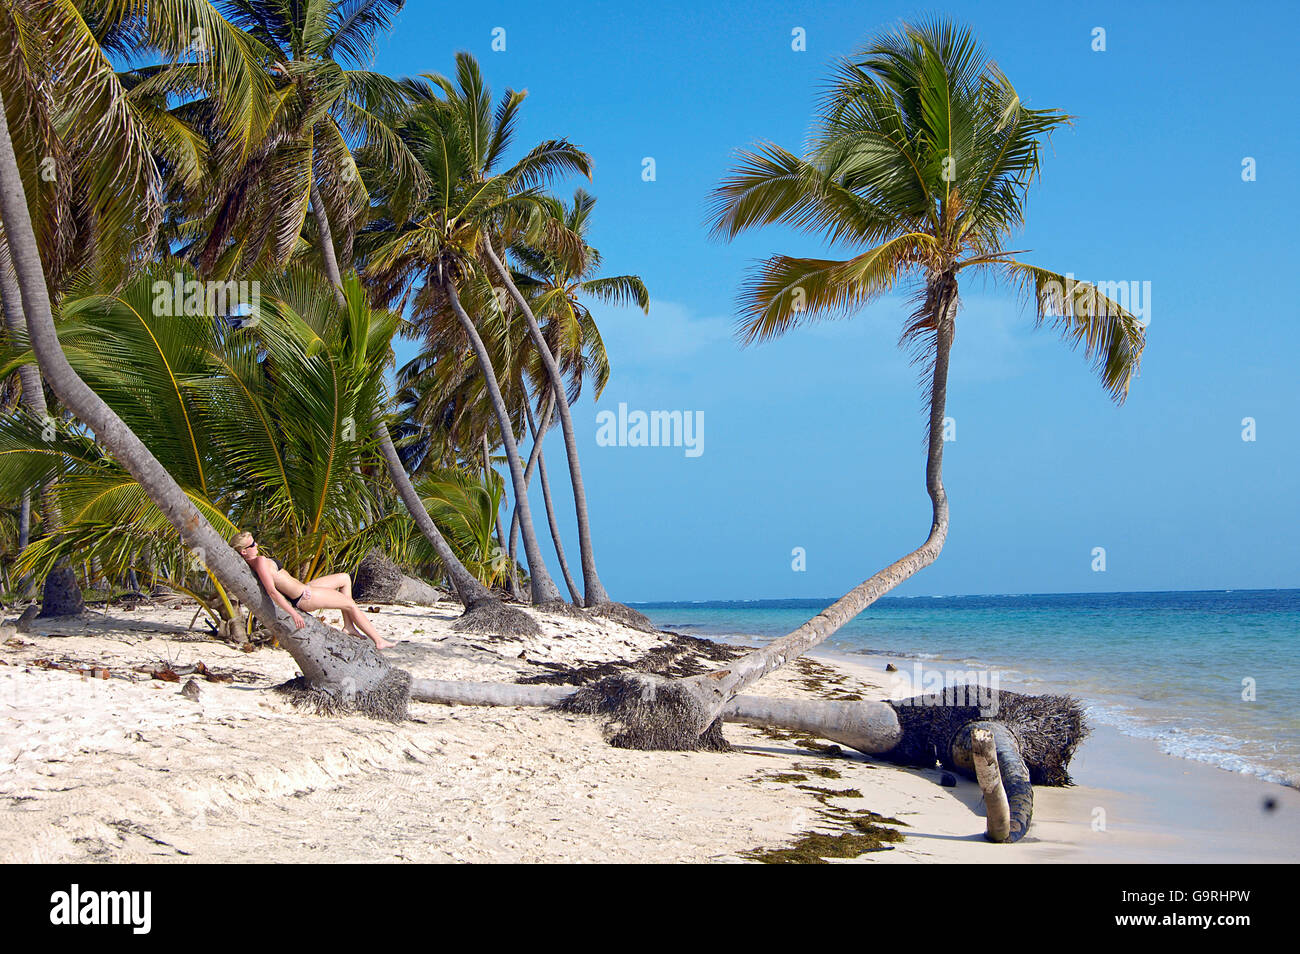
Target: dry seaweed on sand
(679,656)
(816,677)
(784,777)
(822,771)
(854,834)
(800,739)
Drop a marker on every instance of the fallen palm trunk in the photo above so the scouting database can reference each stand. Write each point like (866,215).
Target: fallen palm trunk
(1034,738)
(379,580)
(1008,744)
(869,727)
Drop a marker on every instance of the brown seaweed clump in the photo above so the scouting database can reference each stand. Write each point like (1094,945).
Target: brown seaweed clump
(854,834)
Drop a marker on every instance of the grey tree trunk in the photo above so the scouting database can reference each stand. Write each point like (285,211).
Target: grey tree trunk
(24,537)
(869,727)
(988,752)
(327,255)
(594,592)
(501,539)
(712,691)
(539,435)
(60,594)
(529,467)
(25,521)
(345,671)
(543,587)
(468,589)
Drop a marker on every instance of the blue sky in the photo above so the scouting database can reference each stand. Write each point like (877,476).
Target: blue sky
(815,441)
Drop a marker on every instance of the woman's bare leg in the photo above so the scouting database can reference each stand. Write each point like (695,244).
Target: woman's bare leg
(340,583)
(332,599)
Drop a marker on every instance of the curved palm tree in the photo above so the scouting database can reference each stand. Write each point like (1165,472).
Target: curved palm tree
(92,151)
(922,156)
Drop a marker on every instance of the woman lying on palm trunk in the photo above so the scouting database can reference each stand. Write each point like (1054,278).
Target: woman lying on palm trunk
(325,592)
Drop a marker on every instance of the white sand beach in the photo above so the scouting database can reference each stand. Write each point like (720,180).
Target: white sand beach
(128,769)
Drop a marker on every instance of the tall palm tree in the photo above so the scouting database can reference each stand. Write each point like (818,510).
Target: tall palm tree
(445,395)
(555,286)
(539,224)
(460,139)
(921,157)
(324,106)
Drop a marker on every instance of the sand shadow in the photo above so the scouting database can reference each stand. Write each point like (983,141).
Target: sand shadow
(98,624)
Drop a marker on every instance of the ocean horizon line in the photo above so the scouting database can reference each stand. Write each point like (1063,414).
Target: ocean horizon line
(958,596)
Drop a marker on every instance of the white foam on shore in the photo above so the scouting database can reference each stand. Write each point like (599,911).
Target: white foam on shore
(1211,748)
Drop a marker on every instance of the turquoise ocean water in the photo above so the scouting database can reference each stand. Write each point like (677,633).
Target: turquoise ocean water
(1176,667)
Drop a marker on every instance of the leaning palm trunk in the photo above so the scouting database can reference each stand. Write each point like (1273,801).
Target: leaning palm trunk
(468,589)
(484,613)
(538,458)
(327,254)
(60,594)
(543,587)
(510,547)
(496,517)
(339,671)
(689,708)
(593,590)
(549,502)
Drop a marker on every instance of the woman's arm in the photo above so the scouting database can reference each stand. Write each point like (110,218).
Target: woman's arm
(263,570)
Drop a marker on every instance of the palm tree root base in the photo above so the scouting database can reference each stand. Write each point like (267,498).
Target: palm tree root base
(492,617)
(1046,729)
(621,613)
(647,712)
(560,608)
(386,701)
(61,595)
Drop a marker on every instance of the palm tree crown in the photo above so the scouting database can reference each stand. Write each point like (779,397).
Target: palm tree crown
(922,156)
